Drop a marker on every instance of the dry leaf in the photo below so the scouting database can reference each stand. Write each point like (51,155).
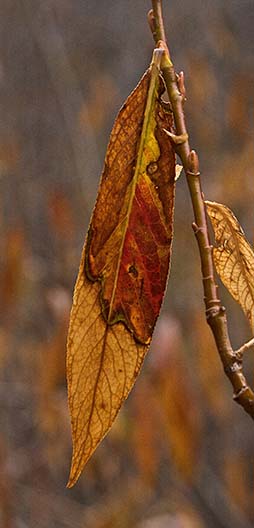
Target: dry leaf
(233,257)
(124,267)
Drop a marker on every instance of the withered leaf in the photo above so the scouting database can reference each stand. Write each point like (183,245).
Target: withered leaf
(124,266)
(233,257)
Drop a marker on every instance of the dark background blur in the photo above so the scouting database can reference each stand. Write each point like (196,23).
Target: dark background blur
(181,452)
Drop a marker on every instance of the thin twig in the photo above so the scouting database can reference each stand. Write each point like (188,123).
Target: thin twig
(215,312)
(156,15)
(239,353)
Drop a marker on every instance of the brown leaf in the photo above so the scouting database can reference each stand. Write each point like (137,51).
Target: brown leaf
(124,267)
(233,257)
(102,365)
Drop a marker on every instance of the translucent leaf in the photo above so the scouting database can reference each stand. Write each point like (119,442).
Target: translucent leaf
(124,267)
(233,257)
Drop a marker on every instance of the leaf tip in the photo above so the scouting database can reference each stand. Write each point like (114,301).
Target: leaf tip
(75,473)
(70,483)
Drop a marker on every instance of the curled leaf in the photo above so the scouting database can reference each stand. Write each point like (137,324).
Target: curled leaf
(233,257)
(124,266)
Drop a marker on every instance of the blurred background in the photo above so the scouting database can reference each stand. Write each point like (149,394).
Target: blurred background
(180,455)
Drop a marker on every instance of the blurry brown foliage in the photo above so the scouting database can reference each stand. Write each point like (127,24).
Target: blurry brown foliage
(180,458)
(12,268)
(169,408)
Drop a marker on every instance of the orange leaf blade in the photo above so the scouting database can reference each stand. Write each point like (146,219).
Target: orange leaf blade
(233,257)
(102,365)
(124,267)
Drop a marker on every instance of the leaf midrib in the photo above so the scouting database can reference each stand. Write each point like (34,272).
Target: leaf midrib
(151,98)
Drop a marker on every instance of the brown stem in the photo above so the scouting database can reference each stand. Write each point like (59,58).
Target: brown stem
(215,312)
(156,14)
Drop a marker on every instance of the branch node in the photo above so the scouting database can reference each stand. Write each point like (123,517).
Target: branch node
(193,163)
(177,139)
(193,174)
(233,367)
(151,22)
(197,229)
(241,393)
(181,85)
(208,278)
(239,353)
(212,312)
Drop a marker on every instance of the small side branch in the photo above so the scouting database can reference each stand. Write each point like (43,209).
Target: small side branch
(215,312)
(239,353)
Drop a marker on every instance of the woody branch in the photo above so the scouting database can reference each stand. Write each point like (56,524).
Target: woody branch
(215,312)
